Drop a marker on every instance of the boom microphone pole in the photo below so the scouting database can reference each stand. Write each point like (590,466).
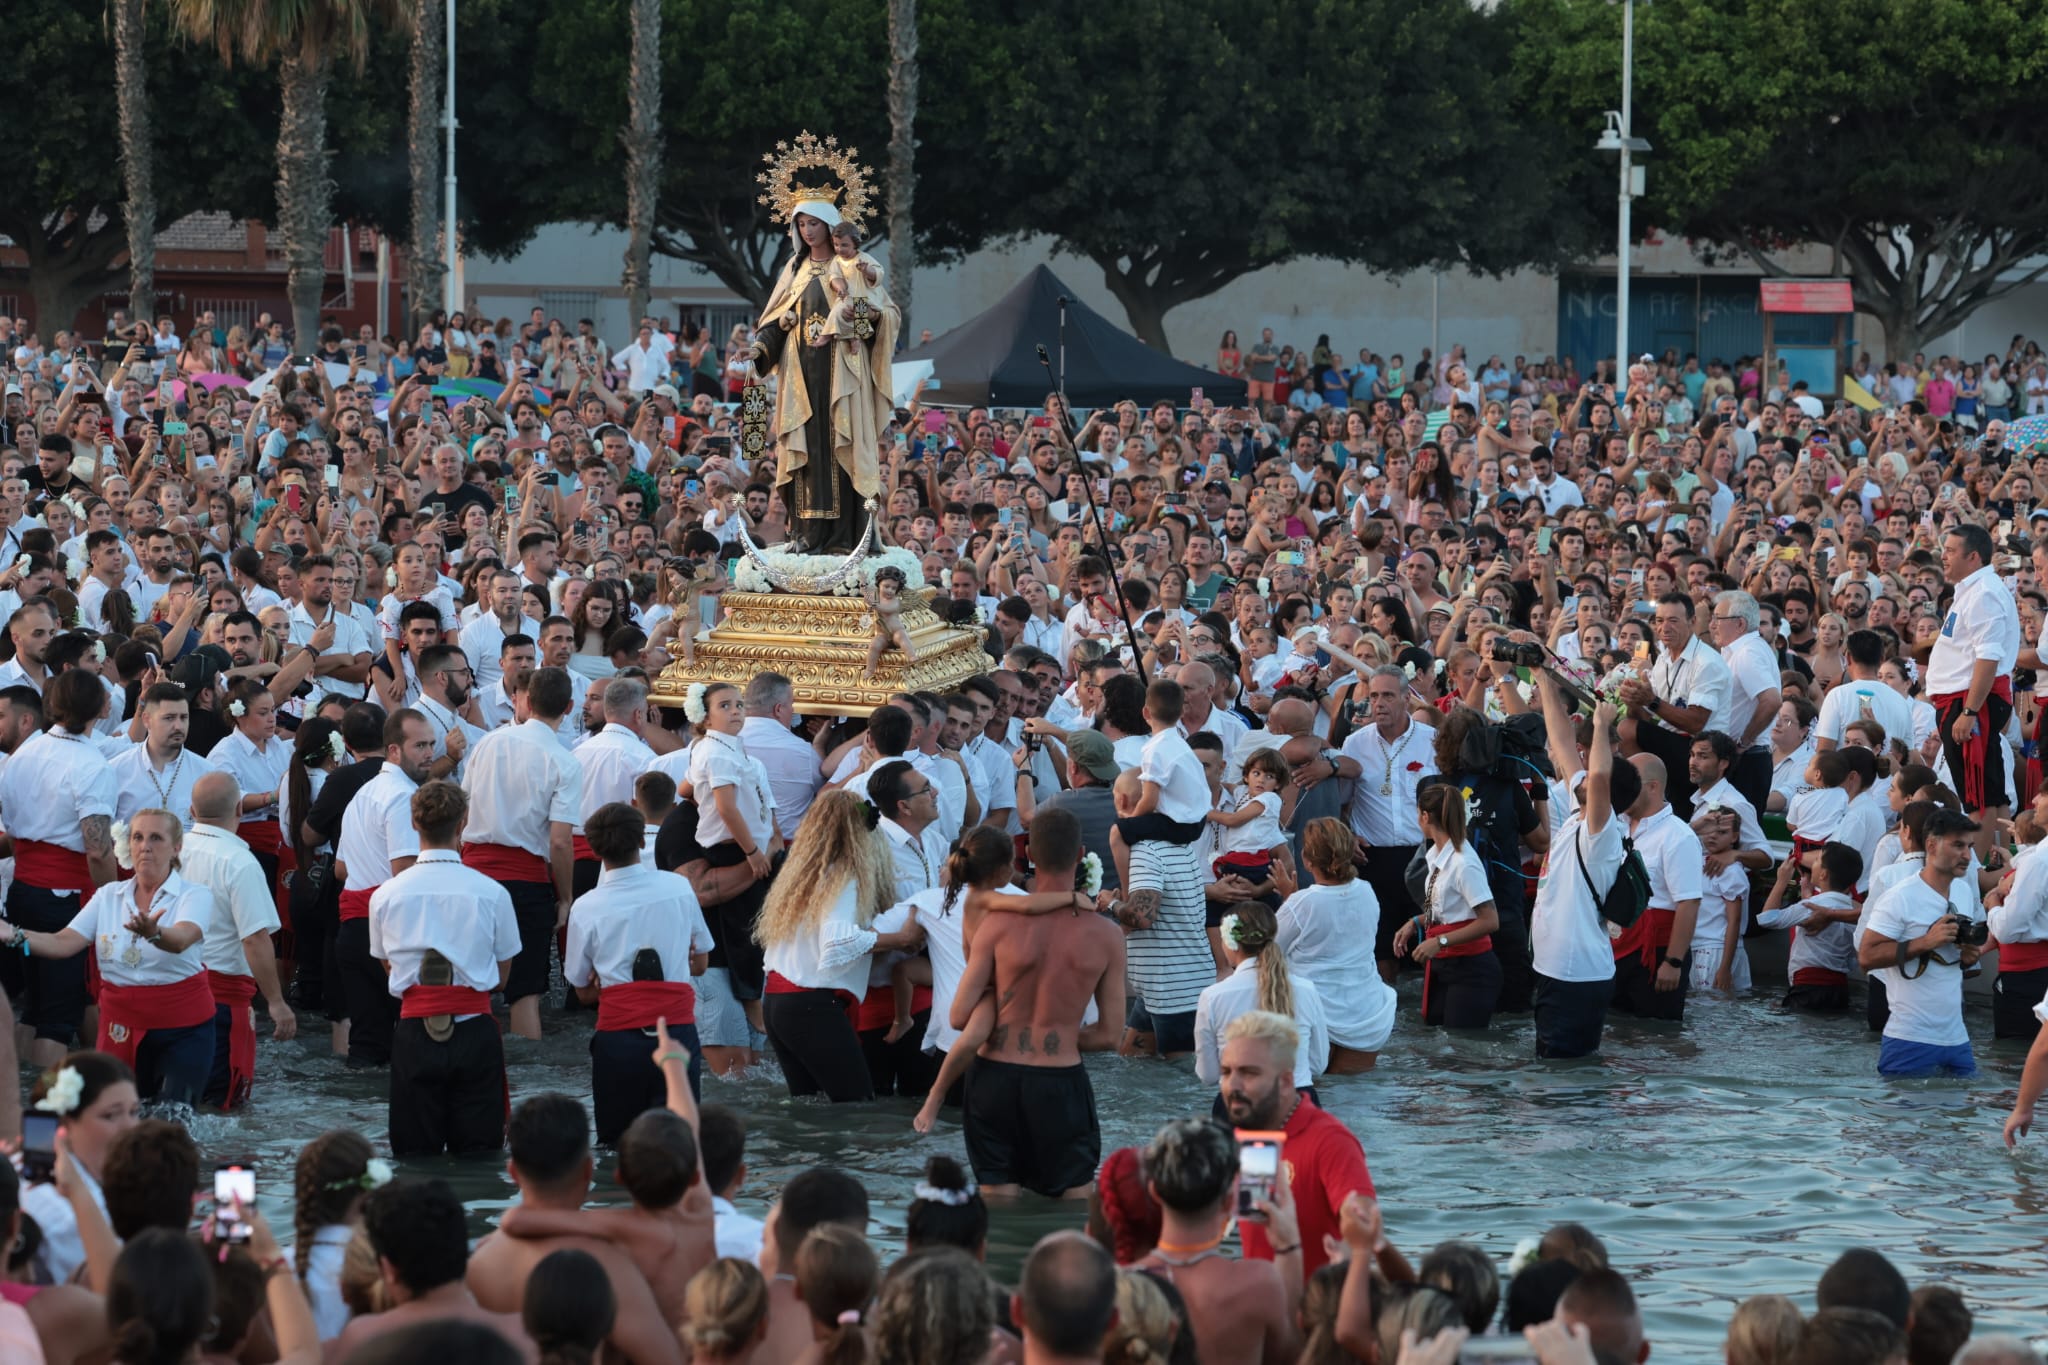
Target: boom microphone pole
(1094,510)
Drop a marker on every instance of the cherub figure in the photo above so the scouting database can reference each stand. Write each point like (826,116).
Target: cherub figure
(885,609)
(697,578)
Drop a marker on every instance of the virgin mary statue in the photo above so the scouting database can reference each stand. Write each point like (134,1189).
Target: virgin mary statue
(829,354)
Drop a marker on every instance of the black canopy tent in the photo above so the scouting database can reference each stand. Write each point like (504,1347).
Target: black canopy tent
(992,360)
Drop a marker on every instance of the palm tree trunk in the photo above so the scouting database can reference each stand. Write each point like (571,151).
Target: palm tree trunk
(139,210)
(902,155)
(424,258)
(643,154)
(304,192)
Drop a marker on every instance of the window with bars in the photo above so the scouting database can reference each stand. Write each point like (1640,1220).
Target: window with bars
(567,305)
(229,313)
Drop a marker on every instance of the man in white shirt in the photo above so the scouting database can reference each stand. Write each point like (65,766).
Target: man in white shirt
(1753,693)
(1393,755)
(2019,925)
(525,791)
(1652,958)
(908,802)
(109,572)
(644,363)
(517,656)
(445,684)
(159,772)
(235,944)
(1969,675)
(611,761)
(483,639)
(1712,760)
(1556,493)
(377,843)
(1569,948)
(445,935)
(1198,685)
(33,626)
(345,648)
(635,940)
(1862,695)
(1686,693)
(1916,923)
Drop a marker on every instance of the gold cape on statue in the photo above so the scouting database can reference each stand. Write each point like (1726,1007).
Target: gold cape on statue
(862,398)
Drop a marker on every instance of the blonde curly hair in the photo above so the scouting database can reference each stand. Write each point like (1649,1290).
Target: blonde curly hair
(834,845)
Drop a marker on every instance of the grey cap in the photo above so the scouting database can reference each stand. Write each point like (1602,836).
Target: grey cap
(1093,751)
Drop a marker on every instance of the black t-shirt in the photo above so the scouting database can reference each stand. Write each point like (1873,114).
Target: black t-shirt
(452,505)
(1505,814)
(340,788)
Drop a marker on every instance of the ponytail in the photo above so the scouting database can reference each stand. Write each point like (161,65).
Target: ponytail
(1445,806)
(980,856)
(1250,928)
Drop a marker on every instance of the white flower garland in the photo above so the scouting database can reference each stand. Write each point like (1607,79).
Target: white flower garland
(749,576)
(952,1199)
(1091,875)
(337,746)
(62,1094)
(693,703)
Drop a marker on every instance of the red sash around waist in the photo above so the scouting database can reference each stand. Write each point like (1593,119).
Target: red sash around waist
(1650,935)
(356,904)
(639,1004)
(262,836)
(778,984)
(236,991)
(504,863)
(877,1009)
(1482,944)
(1243,862)
(2022,957)
(1977,748)
(1819,976)
(52,867)
(580,848)
(128,1013)
(420,1002)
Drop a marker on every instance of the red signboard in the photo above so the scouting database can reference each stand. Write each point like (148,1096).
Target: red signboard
(1808,296)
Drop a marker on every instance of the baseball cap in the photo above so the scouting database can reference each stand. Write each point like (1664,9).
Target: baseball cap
(200,669)
(1093,751)
(668,391)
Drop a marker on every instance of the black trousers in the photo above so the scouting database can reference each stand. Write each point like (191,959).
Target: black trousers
(447,1097)
(1569,1016)
(624,1081)
(1463,991)
(533,908)
(366,995)
(51,990)
(2013,997)
(1636,993)
(732,924)
(1517,969)
(1751,777)
(816,1044)
(901,1068)
(314,898)
(1816,999)
(172,1064)
(1386,871)
(1991,790)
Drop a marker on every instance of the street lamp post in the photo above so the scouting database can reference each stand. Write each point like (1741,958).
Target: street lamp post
(1618,138)
(450,294)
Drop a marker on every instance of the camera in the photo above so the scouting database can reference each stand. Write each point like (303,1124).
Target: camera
(1971,933)
(1518,652)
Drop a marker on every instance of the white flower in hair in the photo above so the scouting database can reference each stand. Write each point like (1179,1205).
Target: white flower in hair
(693,704)
(980,617)
(1524,1256)
(1409,669)
(377,1171)
(1229,929)
(99,651)
(237,709)
(62,1094)
(1091,875)
(337,746)
(124,852)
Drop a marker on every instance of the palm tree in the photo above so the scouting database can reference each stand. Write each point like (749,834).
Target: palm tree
(423,156)
(303,39)
(902,154)
(139,209)
(643,153)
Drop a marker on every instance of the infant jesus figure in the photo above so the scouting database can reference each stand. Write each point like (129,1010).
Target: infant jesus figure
(854,279)
(885,608)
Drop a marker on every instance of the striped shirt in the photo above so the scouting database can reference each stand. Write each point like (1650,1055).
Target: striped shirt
(1170,964)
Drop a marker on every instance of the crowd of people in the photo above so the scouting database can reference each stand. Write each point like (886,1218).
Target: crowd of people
(332,694)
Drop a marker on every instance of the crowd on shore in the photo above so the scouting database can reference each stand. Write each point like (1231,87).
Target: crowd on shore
(334,696)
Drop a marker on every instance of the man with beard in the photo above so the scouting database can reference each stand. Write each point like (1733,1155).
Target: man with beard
(483,639)
(377,842)
(342,668)
(242,634)
(159,568)
(160,771)
(32,627)
(1325,1162)
(446,683)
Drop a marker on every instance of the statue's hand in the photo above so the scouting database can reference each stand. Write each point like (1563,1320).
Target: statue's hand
(788,321)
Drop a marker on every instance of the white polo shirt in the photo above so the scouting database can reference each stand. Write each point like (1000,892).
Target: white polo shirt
(633,908)
(128,960)
(145,786)
(520,780)
(377,827)
(1672,855)
(1983,622)
(51,783)
(1854,699)
(1752,671)
(439,904)
(350,639)
(255,770)
(612,761)
(721,760)
(1696,677)
(1183,787)
(243,902)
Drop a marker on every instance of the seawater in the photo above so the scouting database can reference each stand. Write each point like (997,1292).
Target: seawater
(1736,1155)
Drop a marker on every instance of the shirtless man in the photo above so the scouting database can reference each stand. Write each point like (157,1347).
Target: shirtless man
(417,1228)
(1240,1310)
(1029,1111)
(811,1199)
(551,1164)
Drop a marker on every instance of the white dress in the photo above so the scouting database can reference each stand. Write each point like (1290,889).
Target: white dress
(1328,933)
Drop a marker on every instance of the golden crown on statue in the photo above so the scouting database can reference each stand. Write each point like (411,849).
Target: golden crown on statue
(849,195)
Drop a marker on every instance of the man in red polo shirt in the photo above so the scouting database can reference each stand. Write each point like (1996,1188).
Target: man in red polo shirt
(1323,1159)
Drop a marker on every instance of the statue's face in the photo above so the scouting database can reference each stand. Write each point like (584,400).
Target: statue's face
(812,230)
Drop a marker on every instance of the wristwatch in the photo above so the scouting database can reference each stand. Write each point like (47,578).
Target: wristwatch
(1677,962)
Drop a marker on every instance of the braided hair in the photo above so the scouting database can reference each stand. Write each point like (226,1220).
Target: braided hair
(330,1178)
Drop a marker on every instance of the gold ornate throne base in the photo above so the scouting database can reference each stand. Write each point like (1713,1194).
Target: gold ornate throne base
(820,644)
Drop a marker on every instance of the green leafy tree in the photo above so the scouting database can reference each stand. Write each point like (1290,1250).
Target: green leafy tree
(1902,135)
(1181,144)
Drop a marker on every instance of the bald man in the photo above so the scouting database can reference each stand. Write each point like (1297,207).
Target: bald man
(1199,712)
(1318,769)
(235,944)
(1065,1302)
(1653,958)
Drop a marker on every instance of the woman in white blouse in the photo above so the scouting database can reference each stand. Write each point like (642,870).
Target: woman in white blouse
(1327,931)
(828,913)
(1259,980)
(258,760)
(93,1096)
(735,826)
(1453,938)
